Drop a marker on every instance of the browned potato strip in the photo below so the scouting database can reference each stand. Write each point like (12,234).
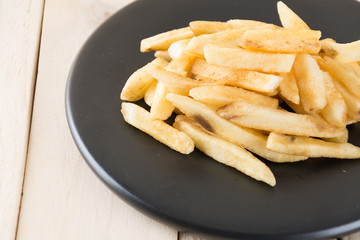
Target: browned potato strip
(177,48)
(206,27)
(276,120)
(227,153)
(149,94)
(221,95)
(342,52)
(282,41)
(343,73)
(229,37)
(251,80)
(356,67)
(247,138)
(311,147)
(289,19)
(182,65)
(137,84)
(245,59)
(162,108)
(310,83)
(335,110)
(163,40)
(341,139)
(164,133)
(352,103)
(174,82)
(251,24)
(288,87)
(163,54)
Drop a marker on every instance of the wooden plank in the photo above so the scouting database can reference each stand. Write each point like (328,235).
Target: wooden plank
(20,23)
(63,199)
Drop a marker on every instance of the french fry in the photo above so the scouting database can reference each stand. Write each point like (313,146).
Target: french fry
(161,108)
(207,27)
(245,59)
(352,103)
(282,41)
(342,52)
(229,37)
(311,147)
(341,139)
(356,67)
(182,65)
(137,84)
(163,54)
(310,83)
(149,94)
(177,48)
(288,87)
(161,131)
(343,73)
(227,153)
(174,82)
(276,120)
(289,19)
(219,96)
(250,24)
(163,40)
(251,80)
(335,110)
(247,138)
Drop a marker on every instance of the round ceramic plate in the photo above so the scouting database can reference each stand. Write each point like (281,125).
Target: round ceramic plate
(316,198)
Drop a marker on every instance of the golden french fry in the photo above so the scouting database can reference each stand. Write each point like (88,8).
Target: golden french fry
(250,24)
(161,108)
(343,73)
(229,37)
(276,120)
(245,59)
(163,40)
(149,94)
(335,110)
(289,19)
(174,82)
(219,96)
(341,139)
(207,27)
(311,147)
(137,84)
(182,65)
(177,48)
(288,87)
(356,67)
(251,80)
(310,83)
(161,131)
(282,40)
(342,52)
(247,138)
(163,54)
(227,153)
(352,103)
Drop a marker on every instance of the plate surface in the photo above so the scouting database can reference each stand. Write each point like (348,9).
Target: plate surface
(312,199)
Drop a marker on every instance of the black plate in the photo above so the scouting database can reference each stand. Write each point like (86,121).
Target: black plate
(312,199)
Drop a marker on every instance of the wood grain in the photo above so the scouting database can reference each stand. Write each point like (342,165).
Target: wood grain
(63,199)
(20,23)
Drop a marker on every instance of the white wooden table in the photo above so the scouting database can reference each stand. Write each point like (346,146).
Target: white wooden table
(46,189)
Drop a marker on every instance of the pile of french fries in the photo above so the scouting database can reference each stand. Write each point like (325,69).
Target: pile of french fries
(225,80)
